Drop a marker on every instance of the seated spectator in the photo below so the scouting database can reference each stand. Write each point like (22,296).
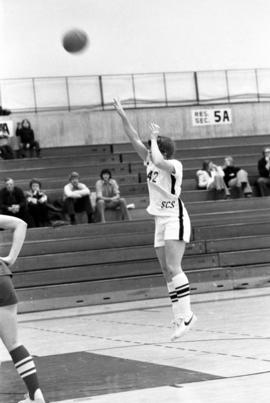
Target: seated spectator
(235,177)
(77,198)
(211,177)
(37,204)
(13,202)
(27,139)
(108,196)
(263,182)
(6,151)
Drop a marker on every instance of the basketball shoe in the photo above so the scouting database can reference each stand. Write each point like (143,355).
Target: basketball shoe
(182,326)
(37,399)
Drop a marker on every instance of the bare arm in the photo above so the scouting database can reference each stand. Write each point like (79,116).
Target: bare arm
(157,157)
(84,190)
(130,131)
(18,228)
(116,190)
(74,194)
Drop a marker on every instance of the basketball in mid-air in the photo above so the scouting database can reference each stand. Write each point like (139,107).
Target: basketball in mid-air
(75,41)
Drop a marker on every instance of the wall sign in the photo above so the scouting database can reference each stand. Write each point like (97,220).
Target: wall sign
(205,117)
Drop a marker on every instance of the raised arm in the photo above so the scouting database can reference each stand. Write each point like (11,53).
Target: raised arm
(131,131)
(18,227)
(157,157)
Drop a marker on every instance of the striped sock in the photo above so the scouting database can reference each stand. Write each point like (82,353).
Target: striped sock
(26,368)
(181,285)
(174,300)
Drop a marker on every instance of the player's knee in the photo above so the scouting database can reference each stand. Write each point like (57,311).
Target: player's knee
(173,269)
(166,272)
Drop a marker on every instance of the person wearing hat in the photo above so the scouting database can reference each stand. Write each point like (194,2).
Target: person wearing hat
(37,204)
(108,196)
(77,198)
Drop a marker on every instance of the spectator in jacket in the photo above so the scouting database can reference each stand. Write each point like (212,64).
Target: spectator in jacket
(27,139)
(108,196)
(77,198)
(263,182)
(13,201)
(37,204)
(236,177)
(211,177)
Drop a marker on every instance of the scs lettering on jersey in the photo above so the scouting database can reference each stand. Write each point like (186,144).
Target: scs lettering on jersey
(152,176)
(167,204)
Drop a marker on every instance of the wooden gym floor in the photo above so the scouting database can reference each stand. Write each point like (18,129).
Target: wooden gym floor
(122,352)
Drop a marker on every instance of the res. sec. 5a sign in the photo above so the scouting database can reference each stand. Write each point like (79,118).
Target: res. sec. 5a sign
(204,117)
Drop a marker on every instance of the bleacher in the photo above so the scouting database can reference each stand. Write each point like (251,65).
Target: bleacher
(85,264)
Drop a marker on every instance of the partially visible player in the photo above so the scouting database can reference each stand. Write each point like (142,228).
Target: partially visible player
(172,224)
(22,360)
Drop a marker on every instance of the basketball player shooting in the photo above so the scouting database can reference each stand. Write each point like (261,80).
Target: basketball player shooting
(172,223)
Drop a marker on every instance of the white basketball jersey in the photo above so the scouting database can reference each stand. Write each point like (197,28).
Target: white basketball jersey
(164,190)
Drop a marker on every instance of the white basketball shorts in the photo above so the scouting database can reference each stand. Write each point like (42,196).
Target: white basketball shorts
(172,228)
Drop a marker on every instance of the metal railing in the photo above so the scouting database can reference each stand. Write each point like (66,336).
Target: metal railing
(136,90)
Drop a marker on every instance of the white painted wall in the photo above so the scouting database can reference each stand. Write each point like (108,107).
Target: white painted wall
(132,36)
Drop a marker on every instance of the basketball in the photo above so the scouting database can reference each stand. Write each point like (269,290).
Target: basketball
(75,41)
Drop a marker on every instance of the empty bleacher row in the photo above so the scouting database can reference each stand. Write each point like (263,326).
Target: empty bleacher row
(99,263)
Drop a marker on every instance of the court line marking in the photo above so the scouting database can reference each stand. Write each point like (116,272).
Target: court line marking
(246,375)
(169,345)
(181,385)
(118,322)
